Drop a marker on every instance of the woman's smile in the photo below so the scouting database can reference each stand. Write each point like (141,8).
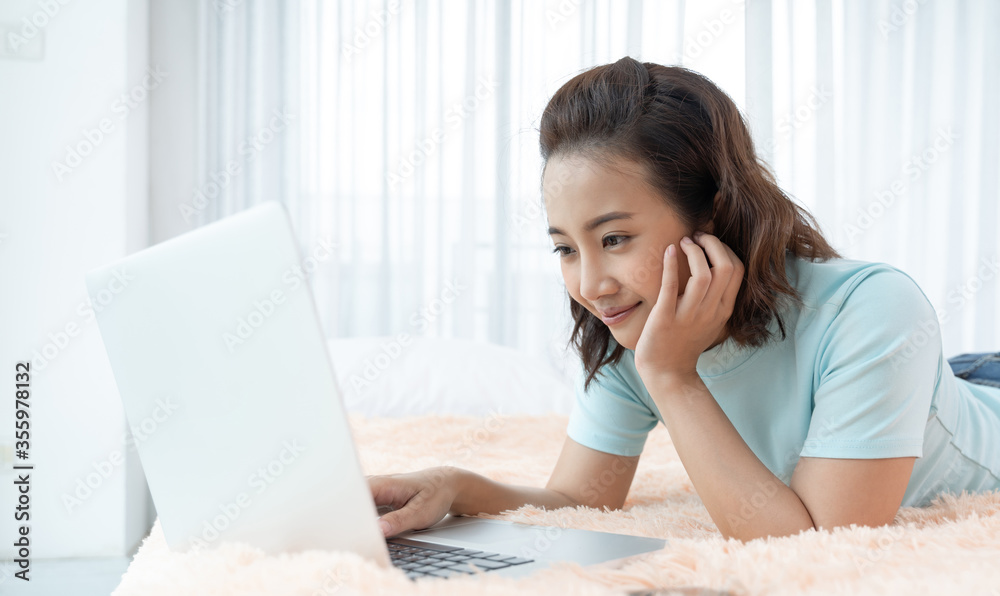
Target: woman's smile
(613,316)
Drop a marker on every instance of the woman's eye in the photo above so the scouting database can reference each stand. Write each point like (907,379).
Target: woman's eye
(563,251)
(614,240)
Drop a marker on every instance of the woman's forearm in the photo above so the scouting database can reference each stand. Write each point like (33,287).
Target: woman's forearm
(478,494)
(744,498)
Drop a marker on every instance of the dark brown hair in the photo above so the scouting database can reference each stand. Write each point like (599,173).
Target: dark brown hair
(697,152)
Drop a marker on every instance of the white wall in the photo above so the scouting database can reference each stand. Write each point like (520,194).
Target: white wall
(54,228)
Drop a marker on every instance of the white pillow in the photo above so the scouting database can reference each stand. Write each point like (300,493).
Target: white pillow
(383,376)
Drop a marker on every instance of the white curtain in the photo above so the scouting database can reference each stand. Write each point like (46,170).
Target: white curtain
(883,118)
(412,141)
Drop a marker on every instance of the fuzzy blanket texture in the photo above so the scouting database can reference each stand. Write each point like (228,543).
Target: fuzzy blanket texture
(949,547)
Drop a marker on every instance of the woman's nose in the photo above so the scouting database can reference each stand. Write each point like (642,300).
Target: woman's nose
(595,279)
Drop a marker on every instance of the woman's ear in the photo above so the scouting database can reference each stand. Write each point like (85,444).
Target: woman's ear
(708,228)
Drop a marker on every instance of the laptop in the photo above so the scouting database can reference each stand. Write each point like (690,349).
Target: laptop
(219,358)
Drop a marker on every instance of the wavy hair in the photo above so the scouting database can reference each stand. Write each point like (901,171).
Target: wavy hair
(698,153)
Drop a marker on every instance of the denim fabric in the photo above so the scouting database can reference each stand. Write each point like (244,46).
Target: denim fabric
(982,368)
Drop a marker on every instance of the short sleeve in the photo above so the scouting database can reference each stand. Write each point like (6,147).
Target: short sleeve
(610,416)
(877,368)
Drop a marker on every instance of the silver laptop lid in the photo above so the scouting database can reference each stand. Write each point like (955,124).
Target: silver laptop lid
(215,334)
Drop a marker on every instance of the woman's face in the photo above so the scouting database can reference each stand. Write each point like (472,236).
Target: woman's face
(610,230)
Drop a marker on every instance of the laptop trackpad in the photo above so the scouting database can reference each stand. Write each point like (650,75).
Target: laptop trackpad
(538,542)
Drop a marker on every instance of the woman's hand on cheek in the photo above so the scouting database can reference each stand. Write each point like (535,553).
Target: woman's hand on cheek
(679,329)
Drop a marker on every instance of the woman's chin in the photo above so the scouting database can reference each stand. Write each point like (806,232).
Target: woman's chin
(626,340)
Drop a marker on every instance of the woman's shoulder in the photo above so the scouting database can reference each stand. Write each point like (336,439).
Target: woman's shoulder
(859,311)
(831,282)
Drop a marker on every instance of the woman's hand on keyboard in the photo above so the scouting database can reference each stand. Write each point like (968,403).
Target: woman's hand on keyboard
(415,500)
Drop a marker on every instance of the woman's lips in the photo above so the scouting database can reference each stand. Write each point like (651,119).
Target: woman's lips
(619,316)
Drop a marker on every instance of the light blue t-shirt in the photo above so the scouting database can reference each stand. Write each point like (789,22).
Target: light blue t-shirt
(859,375)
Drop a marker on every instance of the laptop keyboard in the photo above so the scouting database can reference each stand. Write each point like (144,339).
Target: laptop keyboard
(420,559)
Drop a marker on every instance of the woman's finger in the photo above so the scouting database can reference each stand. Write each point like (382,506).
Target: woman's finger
(736,281)
(723,268)
(389,491)
(669,285)
(701,277)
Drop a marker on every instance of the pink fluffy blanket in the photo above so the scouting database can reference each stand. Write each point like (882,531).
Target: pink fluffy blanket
(950,547)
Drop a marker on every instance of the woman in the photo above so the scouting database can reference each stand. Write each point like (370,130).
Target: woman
(798,388)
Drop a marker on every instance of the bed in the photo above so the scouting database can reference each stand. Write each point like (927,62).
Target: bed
(950,547)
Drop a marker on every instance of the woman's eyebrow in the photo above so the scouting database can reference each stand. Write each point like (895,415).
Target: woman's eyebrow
(592,224)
